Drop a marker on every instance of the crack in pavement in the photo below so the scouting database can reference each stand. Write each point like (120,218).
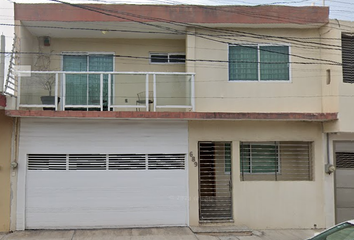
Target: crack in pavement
(72,237)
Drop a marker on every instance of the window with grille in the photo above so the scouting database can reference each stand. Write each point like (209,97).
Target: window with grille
(259,63)
(172,58)
(276,161)
(347,58)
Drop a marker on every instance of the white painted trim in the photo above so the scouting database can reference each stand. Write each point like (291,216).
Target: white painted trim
(128,106)
(154,86)
(175,106)
(131,73)
(193,92)
(64,92)
(18,92)
(37,106)
(82,106)
(109,92)
(101,92)
(56,91)
(147,95)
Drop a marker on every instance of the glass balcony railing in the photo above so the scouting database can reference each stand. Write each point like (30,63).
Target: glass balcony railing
(106,91)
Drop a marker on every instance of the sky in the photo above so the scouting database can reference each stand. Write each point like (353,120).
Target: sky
(339,9)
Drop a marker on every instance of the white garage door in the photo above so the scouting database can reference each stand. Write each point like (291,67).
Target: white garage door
(99,174)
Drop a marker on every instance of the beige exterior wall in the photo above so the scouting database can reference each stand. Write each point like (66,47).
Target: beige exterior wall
(215,93)
(338,96)
(5,169)
(264,204)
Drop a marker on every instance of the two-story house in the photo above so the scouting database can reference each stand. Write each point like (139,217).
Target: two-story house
(152,115)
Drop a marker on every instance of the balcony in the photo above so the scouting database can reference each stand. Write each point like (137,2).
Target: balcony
(106,91)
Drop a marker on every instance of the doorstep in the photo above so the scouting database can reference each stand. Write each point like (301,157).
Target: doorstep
(222,230)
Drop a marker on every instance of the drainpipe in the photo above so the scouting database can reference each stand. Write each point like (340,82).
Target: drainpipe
(2,63)
(329,167)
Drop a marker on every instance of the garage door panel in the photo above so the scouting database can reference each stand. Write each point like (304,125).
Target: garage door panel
(92,194)
(344,177)
(344,214)
(103,136)
(345,198)
(344,180)
(92,189)
(101,220)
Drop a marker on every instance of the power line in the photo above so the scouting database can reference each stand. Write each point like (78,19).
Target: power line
(188,60)
(101,11)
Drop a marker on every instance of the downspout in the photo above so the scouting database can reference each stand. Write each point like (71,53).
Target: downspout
(14,163)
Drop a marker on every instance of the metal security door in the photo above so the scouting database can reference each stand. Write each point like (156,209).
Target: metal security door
(215,186)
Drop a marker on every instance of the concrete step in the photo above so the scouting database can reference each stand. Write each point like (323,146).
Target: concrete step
(222,230)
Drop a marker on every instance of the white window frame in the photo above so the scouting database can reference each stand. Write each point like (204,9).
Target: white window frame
(259,65)
(168,58)
(87,54)
(262,143)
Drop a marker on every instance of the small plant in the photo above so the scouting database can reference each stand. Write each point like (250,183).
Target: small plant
(46,81)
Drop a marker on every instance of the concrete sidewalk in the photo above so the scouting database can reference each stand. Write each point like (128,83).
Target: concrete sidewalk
(169,233)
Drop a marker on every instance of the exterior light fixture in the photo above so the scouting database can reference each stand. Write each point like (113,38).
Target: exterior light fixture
(46,41)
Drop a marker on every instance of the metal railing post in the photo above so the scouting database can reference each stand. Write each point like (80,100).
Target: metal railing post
(154,85)
(147,93)
(101,91)
(56,92)
(18,92)
(109,92)
(64,90)
(192,93)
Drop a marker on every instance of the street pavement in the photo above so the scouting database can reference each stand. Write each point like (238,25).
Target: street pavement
(168,233)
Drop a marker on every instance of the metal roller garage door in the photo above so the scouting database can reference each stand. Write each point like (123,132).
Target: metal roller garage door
(344,179)
(99,174)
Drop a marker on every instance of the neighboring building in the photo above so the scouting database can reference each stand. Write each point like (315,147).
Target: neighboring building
(6,129)
(179,115)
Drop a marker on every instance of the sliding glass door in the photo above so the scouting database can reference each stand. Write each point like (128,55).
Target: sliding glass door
(84,89)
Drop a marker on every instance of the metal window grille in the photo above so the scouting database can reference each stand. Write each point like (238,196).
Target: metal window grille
(344,160)
(347,58)
(276,161)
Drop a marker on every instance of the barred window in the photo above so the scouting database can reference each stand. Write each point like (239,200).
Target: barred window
(276,161)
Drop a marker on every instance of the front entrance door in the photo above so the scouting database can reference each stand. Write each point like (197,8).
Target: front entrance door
(215,186)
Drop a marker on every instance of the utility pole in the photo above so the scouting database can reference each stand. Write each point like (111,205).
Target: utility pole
(2,63)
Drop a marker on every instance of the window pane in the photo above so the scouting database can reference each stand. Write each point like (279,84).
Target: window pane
(159,58)
(243,63)
(177,58)
(274,62)
(264,158)
(76,84)
(227,157)
(99,63)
